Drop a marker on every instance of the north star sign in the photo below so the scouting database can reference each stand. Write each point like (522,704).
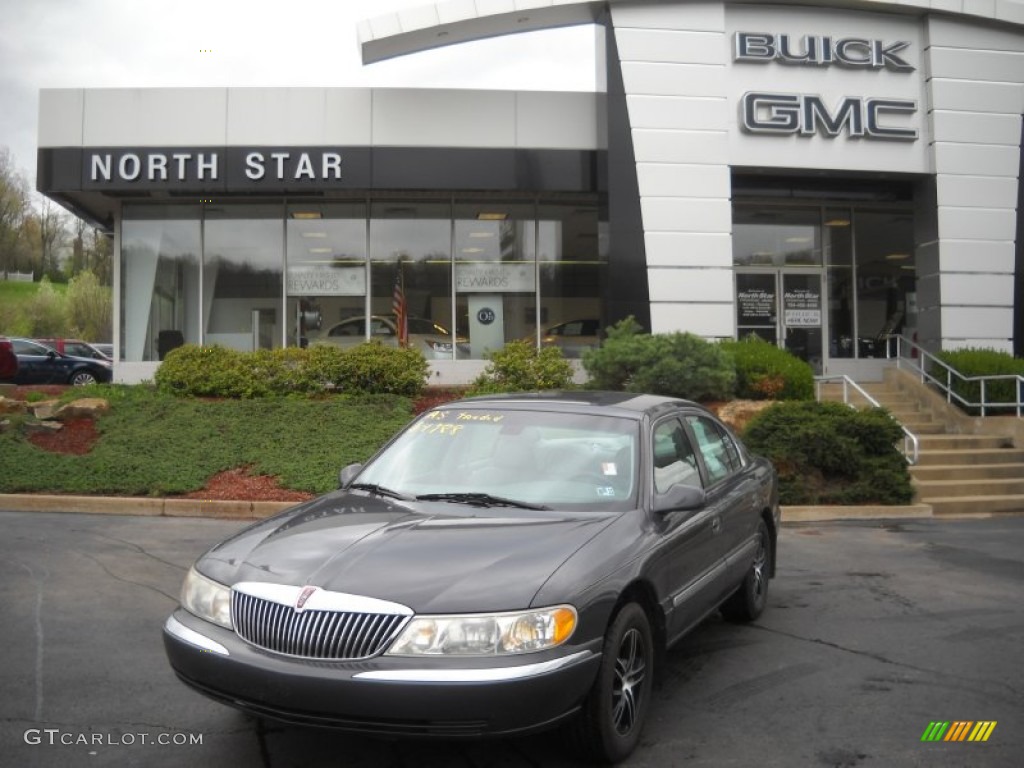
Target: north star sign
(783,114)
(213,168)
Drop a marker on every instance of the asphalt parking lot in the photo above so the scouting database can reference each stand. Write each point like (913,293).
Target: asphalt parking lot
(873,631)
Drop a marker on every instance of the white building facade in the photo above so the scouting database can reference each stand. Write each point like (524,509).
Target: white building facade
(821,175)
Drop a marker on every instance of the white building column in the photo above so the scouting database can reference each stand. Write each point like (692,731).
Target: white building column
(966,277)
(674,62)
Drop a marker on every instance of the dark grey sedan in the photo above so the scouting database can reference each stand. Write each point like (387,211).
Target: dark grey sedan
(502,565)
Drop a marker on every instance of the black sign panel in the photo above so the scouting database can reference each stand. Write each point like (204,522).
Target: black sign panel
(755,300)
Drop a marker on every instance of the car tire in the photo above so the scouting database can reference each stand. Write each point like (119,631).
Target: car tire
(749,600)
(608,727)
(81,378)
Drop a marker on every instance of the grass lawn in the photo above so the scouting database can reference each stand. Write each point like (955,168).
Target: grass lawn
(14,298)
(152,444)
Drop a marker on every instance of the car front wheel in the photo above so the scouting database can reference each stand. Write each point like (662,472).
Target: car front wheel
(609,726)
(81,378)
(747,602)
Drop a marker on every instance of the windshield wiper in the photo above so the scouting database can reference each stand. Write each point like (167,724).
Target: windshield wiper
(379,490)
(479,500)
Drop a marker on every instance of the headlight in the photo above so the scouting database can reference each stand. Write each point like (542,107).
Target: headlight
(486,635)
(206,598)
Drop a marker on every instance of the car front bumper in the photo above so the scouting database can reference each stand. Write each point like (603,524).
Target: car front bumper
(383,695)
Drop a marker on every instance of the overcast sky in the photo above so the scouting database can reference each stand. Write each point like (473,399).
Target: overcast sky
(152,43)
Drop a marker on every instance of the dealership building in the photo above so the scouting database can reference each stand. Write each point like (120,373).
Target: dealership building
(819,174)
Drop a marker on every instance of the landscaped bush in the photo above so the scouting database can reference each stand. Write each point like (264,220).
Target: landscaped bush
(766,372)
(196,371)
(828,453)
(520,367)
(216,371)
(672,364)
(981,362)
(373,368)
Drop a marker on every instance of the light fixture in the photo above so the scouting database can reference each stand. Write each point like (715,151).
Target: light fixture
(307,215)
(320,250)
(481,234)
(472,250)
(314,234)
(493,216)
(897,256)
(837,223)
(798,239)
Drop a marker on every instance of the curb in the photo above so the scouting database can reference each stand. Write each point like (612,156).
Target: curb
(214,509)
(120,505)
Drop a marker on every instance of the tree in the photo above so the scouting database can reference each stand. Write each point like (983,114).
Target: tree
(14,210)
(52,238)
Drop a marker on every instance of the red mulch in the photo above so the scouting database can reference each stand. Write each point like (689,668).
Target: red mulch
(434,397)
(77,437)
(239,485)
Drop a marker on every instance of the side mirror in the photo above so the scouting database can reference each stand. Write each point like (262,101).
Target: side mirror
(679,497)
(348,474)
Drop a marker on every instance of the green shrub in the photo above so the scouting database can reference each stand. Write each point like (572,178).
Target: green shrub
(373,368)
(981,362)
(196,371)
(766,372)
(672,364)
(520,367)
(828,453)
(46,312)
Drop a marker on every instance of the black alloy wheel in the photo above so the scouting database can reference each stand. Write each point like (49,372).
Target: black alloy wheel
(608,729)
(748,602)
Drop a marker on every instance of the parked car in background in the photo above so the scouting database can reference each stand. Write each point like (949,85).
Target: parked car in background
(40,364)
(432,339)
(104,348)
(505,564)
(8,360)
(74,348)
(573,337)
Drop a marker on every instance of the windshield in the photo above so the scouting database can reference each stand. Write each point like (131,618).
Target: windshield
(554,460)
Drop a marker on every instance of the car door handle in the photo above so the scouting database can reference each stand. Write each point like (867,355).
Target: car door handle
(716,525)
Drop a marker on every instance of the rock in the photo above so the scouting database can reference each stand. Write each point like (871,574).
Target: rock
(45,427)
(738,413)
(9,405)
(87,407)
(5,425)
(43,409)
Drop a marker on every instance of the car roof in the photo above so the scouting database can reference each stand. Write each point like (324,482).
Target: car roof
(622,404)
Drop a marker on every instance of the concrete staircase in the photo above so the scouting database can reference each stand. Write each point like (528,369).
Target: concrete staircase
(957,473)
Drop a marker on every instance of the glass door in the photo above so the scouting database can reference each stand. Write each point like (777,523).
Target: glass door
(785,308)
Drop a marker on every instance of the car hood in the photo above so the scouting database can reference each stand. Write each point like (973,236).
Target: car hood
(432,557)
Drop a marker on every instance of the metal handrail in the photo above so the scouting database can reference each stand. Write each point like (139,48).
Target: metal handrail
(911,444)
(923,356)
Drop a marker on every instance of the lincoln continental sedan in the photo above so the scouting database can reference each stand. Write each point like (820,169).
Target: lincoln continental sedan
(503,565)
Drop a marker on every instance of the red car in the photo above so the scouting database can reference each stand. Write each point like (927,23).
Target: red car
(8,360)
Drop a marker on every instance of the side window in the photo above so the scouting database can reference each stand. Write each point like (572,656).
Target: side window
(351,328)
(721,456)
(674,460)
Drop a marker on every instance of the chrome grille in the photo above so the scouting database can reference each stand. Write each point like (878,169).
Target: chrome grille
(314,634)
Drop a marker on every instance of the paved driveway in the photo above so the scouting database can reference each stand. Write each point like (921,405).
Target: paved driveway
(873,631)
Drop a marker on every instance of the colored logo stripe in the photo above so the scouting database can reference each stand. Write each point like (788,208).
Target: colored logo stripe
(959,730)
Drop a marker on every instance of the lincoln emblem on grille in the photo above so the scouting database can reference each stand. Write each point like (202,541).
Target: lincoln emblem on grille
(304,595)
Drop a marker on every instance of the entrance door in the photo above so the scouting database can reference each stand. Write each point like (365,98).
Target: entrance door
(785,308)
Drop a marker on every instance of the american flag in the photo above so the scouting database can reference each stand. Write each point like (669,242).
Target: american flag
(399,309)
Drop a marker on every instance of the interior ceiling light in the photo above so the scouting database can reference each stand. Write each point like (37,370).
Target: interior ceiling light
(798,239)
(320,250)
(837,223)
(481,234)
(307,215)
(897,256)
(472,250)
(314,234)
(484,216)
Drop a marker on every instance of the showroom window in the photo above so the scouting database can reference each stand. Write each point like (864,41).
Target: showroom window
(160,277)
